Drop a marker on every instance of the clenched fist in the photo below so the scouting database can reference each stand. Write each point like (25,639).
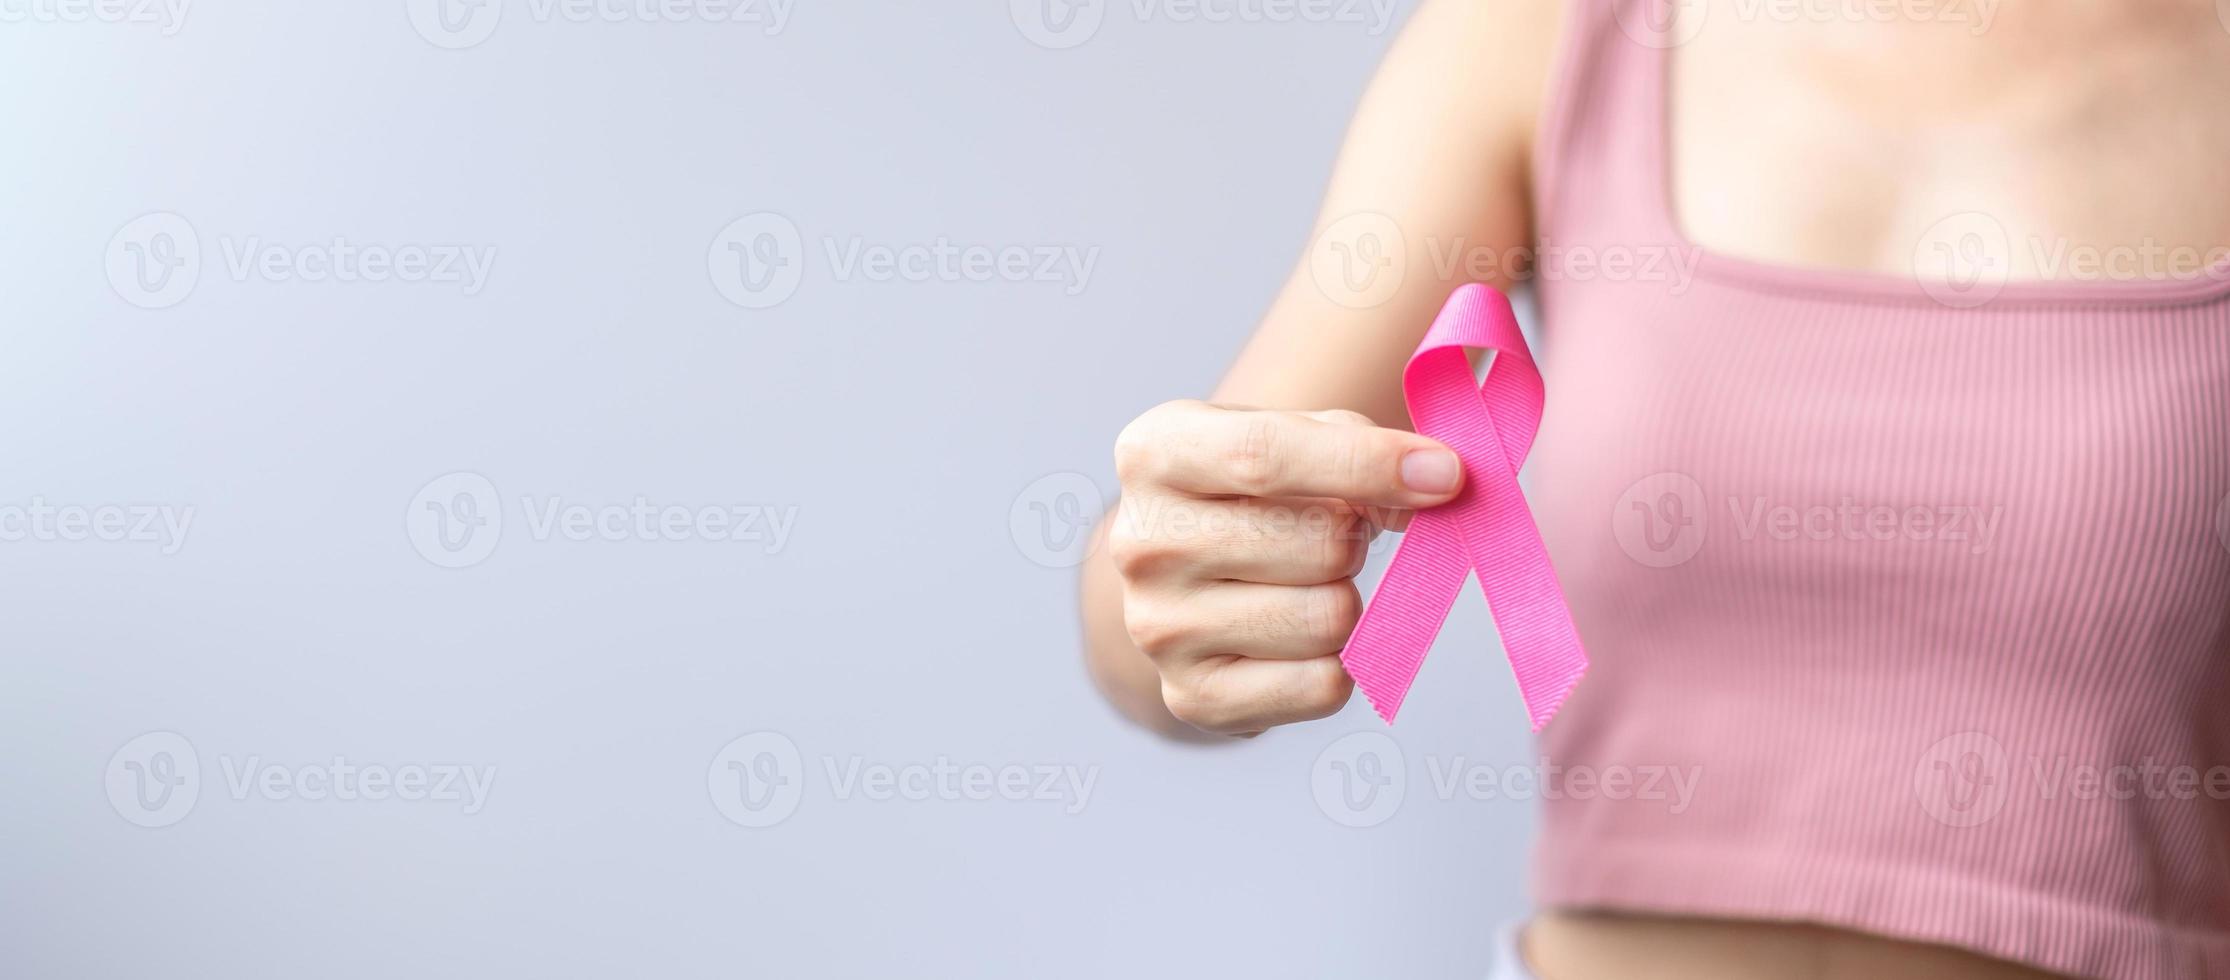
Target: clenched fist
(1237,540)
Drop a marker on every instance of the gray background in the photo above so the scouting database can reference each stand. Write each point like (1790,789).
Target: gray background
(909,616)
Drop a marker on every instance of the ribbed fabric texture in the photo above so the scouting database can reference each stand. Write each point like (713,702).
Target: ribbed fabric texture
(1889,577)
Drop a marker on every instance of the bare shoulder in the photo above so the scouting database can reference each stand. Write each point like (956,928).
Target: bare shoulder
(1437,156)
(1487,63)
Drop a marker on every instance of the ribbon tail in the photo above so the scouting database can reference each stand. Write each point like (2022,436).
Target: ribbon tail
(1389,644)
(1522,591)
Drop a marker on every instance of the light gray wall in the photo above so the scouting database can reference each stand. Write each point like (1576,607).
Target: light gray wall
(914,613)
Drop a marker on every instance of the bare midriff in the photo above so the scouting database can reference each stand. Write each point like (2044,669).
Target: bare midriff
(1569,945)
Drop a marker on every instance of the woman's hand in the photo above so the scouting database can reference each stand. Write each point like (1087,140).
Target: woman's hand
(1237,541)
(1241,610)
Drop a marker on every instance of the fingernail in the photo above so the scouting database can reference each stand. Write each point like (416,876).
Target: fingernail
(1431,471)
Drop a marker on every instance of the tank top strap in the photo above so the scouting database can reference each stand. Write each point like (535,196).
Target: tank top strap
(1599,154)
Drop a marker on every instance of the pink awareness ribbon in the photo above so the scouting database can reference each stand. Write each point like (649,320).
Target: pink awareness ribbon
(1486,528)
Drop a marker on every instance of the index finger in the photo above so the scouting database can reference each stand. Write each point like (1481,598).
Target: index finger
(1258,453)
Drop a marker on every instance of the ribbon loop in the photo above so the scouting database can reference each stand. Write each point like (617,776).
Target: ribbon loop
(1487,529)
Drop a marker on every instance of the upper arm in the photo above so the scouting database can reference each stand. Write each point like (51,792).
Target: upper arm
(1434,168)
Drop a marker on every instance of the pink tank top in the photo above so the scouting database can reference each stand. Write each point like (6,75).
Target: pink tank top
(1926,587)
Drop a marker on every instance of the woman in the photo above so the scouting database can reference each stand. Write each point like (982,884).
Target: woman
(1887,350)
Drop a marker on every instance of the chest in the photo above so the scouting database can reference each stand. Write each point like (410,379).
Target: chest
(2063,148)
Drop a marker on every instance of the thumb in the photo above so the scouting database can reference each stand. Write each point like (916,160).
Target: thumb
(1438,473)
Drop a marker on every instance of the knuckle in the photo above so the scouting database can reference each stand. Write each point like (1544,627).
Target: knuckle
(1331,611)
(1345,416)
(1138,452)
(1327,689)
(1371,459)
(1142,449)
(1134,553)
(1188,704)
(1252,463)
(1154,538)
(1154,627)
(1345,547)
